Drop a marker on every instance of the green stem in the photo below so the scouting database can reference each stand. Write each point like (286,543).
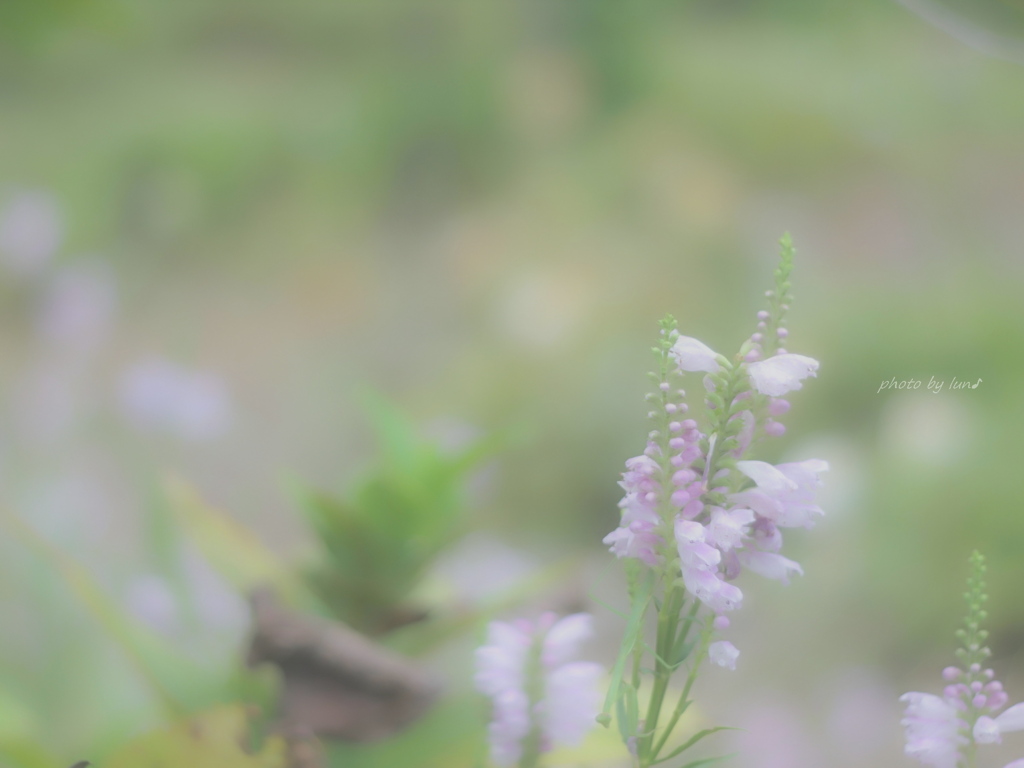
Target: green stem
(668,620)
(684,698)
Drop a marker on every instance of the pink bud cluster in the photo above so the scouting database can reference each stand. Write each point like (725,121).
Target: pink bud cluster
(641,532)
(988,696)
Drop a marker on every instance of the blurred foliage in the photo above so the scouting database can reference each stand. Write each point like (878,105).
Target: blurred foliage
(379,542)
(215,739)
(244,561)
(482,209)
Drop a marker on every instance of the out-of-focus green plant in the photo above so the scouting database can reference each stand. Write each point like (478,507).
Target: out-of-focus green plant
(215,739)
(379,540)
(179,684)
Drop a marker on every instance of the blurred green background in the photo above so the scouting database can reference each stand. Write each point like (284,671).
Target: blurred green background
(481,210)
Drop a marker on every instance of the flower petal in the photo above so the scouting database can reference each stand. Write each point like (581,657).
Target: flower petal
(724,654)
(694,355)
(781,373)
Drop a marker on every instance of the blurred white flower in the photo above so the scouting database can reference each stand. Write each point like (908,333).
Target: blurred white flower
(77,307)
(159,396)
(30,232)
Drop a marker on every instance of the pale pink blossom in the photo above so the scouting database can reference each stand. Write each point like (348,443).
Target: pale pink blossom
(769,564)
(637,534)
(988,730)
(932,726)
(724,654)
(781,373)
(708,587)
(785,493)
(727,529)
(694,551)
(693,355)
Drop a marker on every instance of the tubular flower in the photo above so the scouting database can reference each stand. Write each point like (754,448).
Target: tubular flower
(783,494)
(781,373)
(990,730)
(693,355)
(724,654)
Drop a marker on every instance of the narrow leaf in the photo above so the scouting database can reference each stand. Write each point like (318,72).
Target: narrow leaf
(633,629)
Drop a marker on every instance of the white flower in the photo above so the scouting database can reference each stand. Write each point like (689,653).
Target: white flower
(784,493)
(727,530)
(781,373)
(724,654)
(770,565)
(932,730)
(693,355)
(988,730)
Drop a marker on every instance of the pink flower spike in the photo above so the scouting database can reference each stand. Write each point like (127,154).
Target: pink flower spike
(1015,764)
(781,373)
(693,355)
(724,654)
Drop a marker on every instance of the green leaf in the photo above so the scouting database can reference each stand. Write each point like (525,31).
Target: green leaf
(176,681)
(707,761)
(634,626)
(691,742)
(234,551)
(380,539)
